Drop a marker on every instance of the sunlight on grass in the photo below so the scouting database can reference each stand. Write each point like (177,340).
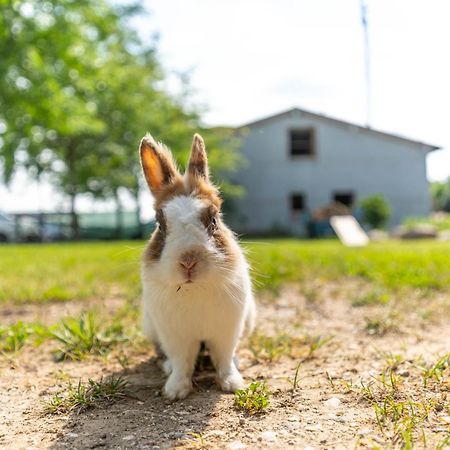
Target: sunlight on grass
(75,271)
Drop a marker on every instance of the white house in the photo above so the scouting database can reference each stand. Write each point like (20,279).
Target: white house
(298,161)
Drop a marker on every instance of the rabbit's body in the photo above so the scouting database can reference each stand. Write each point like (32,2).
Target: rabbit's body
(196,284)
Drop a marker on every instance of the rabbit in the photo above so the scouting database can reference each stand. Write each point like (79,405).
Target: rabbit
(195,278)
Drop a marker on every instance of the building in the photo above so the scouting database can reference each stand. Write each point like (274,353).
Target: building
(298,161)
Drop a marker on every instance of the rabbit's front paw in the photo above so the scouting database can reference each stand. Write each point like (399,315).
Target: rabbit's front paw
(176,388)
(231,382)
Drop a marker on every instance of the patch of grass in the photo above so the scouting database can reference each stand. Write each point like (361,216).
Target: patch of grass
(76,271)
(84,335)
(405,412)
(15,336)
(254,399)
(296,380)
(82,396)
(69,271)
(437,370)
(373,297)
(390,265)
(271,348)
(382,323)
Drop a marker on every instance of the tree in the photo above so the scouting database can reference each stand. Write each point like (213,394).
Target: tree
(78,91)
(376,211)
(440,195)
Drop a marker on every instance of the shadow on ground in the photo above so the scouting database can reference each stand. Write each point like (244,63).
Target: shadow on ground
(143,419)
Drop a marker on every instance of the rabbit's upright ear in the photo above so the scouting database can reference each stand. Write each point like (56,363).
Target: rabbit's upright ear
(198,161)
(157,164)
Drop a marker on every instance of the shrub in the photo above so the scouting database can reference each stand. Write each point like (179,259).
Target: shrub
(376,211)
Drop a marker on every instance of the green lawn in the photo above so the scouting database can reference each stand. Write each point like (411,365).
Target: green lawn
(34,273)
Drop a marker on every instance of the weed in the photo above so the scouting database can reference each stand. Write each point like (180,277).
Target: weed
(83,396)
(254,399)
(317,342)
(437,370)
(84,335)
(373,297)
(14,337)
(271,348)
(296,379)
(197,441)
(381,324)
(392,360)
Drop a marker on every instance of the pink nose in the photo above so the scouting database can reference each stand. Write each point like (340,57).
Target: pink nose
(188,264)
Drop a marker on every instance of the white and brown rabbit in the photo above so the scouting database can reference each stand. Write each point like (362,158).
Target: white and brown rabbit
(196,283)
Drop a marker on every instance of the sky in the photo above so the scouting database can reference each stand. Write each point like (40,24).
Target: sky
(249,59)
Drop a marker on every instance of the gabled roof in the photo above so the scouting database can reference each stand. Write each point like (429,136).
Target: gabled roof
(428,147)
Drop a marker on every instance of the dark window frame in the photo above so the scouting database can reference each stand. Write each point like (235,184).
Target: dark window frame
(344,194)
(312,139)
(292,196)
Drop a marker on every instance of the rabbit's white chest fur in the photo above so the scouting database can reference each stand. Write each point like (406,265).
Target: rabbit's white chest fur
(216,309)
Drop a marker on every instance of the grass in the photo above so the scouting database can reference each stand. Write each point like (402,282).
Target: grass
(404,410)
(254,399)
(14,337)
(77,337)
(84,335)
(76,271)
(83,396)
(271,348)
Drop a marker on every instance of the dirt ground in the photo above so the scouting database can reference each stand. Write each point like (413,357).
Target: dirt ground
(323,412)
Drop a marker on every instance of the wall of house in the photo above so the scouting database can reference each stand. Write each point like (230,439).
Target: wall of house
(346,159)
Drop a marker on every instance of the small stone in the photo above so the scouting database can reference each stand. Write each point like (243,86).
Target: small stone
(236,445)
(364,431)
(269,436)
(130,437)
(332,403)
(216,433)
(403,373)
(72,435)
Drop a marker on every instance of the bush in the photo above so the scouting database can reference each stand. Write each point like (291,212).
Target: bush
(376,211)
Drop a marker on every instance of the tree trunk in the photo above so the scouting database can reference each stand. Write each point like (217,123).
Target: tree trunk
(139,224)
(74,217)
(119,217)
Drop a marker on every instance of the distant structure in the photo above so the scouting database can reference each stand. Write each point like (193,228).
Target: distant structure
(299,161)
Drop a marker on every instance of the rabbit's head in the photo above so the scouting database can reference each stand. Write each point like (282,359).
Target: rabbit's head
(191,245)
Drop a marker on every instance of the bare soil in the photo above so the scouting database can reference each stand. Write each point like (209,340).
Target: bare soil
(296,418)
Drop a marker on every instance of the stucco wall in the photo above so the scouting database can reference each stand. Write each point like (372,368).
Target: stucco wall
(346,159)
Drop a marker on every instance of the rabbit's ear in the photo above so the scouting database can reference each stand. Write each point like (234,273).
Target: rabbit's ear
(198,161)
(157,163)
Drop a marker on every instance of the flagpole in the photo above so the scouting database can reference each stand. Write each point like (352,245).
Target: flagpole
(364,8)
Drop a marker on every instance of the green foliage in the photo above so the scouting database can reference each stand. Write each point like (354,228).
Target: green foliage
(78,91)
(84,335)
(437,370)
(440,221)
(373,297)
(254,399)
(87,395)
(440,195)
(271,348)
(15,336)
(376,211)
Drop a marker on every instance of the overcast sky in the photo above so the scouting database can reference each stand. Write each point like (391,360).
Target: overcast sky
(251,58)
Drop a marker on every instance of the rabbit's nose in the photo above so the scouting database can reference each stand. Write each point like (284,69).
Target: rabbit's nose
(188,264)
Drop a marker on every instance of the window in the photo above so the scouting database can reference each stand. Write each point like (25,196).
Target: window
(346,198)
(301,142)
(298,202)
